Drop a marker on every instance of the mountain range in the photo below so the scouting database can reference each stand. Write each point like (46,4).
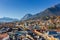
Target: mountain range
(27,16)
(7,19)
(52,11)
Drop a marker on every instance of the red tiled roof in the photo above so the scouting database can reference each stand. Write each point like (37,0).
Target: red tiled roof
(3,35)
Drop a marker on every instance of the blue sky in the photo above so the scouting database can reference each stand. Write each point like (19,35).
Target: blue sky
(18,8)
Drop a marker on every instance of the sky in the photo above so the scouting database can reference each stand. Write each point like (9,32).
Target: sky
(19,8)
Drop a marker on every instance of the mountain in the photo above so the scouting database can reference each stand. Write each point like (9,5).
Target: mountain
(27,16)
(7,19)
(52,11)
